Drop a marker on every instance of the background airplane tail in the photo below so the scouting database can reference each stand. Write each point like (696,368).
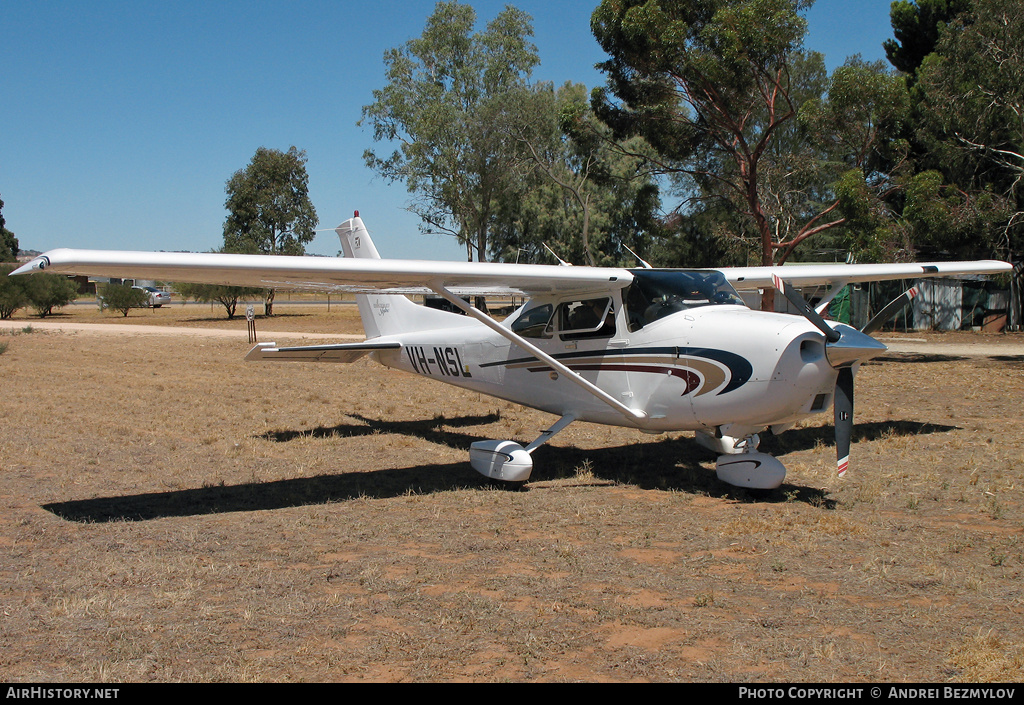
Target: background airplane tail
(388,314)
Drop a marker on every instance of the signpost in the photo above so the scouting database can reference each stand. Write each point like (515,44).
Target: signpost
(250,317)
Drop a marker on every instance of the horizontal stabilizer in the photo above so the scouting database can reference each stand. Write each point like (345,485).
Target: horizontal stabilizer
(341,352)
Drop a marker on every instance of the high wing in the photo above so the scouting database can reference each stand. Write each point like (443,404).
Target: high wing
(418,276)
(329,273)
(749,278)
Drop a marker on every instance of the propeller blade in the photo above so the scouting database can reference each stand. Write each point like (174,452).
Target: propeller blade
(890,310)
(831,334)
(843,405)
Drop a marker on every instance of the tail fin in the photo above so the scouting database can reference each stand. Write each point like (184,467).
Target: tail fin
(388,314)
(355,240)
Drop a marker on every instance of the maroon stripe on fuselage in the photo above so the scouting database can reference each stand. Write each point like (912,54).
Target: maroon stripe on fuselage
(691,378)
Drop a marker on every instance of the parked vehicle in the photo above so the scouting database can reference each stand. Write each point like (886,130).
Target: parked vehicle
(156,298)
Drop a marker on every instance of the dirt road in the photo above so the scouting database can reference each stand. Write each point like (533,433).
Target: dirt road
(134,329)
(981,346)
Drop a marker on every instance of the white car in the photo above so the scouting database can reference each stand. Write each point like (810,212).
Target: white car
(156,298)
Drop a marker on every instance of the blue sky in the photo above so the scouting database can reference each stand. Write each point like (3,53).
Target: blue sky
(120,122)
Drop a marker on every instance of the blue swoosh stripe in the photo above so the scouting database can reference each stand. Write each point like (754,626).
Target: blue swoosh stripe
(740,369)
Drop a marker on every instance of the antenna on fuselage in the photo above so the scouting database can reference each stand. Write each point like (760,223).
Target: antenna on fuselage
(639,259)
(561,262)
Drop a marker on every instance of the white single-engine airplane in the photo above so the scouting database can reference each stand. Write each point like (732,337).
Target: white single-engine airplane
(653,349)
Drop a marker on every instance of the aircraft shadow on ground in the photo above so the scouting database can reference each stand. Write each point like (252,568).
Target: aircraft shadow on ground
(431,430)
(257,496)
(666,464)
(915,357)
(240,316)
(811,437)
(938,357)
(1007,358)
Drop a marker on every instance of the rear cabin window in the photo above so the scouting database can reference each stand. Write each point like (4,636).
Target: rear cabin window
(588,318)
(572,320)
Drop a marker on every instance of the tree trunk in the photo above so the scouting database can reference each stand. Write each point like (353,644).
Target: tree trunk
(586,230)
(767,256)
(763,228)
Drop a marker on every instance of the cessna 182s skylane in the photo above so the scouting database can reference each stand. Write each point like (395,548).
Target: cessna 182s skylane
(654,349)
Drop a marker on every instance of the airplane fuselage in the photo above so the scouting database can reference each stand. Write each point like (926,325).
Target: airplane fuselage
(700,369)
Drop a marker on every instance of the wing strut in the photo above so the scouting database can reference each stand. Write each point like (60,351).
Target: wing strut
(547,435)
(633,415)
(823,304)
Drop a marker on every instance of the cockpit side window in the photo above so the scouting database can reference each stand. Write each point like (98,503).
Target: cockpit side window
(655,294)
(534,323)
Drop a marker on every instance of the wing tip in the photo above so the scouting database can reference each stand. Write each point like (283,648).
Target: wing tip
(36,264)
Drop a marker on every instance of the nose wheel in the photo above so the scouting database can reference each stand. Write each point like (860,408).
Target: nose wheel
(753,470)
(740,464)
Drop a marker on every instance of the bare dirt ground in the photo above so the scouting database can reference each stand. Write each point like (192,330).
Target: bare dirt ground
(169,512)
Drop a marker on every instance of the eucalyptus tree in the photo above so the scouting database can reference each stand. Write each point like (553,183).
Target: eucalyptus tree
(916,27)
(586,196)
(446,119)
(757,139)
(856,128)
(971,106)
(708,83)
(8,243)
(269,211)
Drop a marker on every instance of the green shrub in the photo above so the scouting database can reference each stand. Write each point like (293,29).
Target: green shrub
(226,296)
(123,298)
(12,293)
(49,291)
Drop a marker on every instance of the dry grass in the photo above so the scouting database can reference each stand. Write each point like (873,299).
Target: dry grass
(985,657)
(172,513)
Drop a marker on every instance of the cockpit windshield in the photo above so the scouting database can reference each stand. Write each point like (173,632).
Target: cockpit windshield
(656,293)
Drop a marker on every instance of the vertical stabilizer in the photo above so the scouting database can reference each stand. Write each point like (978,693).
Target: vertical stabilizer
(355,240)
(387,314)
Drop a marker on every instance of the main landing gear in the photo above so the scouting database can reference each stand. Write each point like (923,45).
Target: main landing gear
(507,460)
